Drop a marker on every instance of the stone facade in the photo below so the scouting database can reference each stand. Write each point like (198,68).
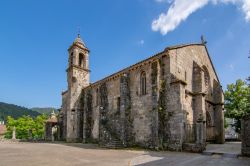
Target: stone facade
(168,100)
(52,129)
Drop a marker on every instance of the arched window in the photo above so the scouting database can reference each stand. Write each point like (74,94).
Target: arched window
(143,83)
(80,60)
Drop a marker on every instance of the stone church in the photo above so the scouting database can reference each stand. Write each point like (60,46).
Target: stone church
(172,100)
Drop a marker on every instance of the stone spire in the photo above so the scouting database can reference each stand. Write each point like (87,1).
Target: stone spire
(79,40)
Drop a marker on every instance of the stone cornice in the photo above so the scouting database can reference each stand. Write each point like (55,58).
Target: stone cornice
(195,93)
(178,81)
(64,92)
(203,94)
(211,102)
(78,46)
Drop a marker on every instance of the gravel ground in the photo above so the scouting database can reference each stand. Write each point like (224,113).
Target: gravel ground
(63,154)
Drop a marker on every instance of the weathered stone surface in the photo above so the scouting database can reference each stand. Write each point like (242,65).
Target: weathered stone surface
(157,110)
(245,136)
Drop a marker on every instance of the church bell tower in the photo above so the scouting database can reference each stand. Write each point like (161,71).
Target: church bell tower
(78,77)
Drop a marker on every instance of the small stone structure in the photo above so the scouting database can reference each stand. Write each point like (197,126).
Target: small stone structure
(51,128)
(172,100)
(14,133)
(245,133)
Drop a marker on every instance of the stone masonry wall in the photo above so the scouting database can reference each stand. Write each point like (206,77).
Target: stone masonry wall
(183,62)
(175,97)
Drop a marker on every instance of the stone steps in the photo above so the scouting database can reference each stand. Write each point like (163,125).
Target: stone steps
(114,144)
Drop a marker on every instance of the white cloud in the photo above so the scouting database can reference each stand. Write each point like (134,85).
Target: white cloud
(224,1)
(246,9)
(161,1)
(231,66)
(141,42)
(179,11)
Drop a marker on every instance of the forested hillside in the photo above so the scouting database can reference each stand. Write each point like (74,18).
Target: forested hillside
(15,111)
(46,111)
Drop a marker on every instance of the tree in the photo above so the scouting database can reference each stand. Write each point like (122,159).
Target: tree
(248,80)
(237,101)
(39,126)
(11,122)
(26,127)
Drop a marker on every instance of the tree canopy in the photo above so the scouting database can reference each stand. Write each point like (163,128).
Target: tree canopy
(26,127)
(237,101)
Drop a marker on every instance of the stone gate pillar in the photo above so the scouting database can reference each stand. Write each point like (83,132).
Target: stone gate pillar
(245,132)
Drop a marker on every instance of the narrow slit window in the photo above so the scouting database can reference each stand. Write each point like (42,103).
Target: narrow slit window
(143,84)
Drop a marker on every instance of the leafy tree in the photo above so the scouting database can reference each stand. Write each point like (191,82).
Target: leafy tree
(237,101)
(39,126)
(248,80)
(26,127)
(226,123)
(11,123)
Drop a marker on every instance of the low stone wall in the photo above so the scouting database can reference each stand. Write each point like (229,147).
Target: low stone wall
(195,148)
(245,133)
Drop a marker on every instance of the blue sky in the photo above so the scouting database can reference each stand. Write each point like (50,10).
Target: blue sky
(35,36)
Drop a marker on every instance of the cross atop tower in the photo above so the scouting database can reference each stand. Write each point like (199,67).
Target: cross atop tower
(78,31)
(203,40)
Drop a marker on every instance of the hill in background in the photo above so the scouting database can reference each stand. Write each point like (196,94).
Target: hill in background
(45,110)
(15,111)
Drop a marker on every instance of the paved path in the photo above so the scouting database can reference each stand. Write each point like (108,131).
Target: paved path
(228,147)
(46,154)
